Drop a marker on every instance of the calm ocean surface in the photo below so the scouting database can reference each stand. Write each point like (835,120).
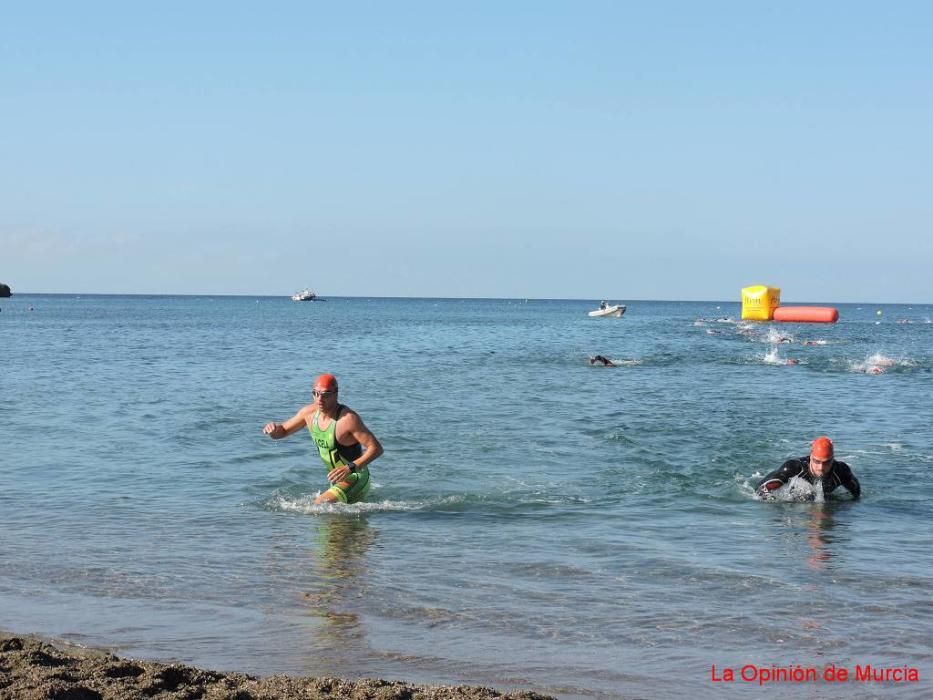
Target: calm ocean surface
(535,522)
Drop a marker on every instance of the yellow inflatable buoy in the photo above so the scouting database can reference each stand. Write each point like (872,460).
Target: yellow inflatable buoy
(759,302)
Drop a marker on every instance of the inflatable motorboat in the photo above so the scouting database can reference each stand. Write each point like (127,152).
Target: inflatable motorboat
(608,311)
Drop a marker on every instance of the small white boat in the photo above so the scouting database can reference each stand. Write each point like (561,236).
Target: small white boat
(608,311)
(304,295)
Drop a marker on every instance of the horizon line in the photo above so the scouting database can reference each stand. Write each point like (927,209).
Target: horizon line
(444,298)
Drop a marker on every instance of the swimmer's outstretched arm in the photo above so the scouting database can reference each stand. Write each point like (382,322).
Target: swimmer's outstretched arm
(277,431)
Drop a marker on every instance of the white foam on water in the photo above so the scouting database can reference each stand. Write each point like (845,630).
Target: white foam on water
(747,485)
(306,505)
(818,491)
(773,358)
(881,360)
(879,363)
(798,489)
(774,336)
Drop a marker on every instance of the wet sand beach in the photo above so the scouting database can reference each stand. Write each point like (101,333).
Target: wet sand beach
(34,669)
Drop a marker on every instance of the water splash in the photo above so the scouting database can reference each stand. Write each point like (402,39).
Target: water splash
(879,363)
(818,491)
(775,337)
(773,358)
(798,489)
(305,505)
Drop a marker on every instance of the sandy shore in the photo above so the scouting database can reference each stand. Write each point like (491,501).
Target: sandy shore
(33,669)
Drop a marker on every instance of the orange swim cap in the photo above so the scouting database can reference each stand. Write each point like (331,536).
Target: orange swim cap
(822,448)
(326,382)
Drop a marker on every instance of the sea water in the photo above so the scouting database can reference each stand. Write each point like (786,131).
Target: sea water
(537,522)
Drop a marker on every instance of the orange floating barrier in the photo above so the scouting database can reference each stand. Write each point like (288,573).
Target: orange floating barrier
(806,314)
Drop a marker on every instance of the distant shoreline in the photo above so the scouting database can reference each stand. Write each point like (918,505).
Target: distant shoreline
(583,300)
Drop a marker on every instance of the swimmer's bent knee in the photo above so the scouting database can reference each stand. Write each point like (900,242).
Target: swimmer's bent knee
(338,493)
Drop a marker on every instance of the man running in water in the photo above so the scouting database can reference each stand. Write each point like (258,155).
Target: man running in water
(345,444)
(818,466)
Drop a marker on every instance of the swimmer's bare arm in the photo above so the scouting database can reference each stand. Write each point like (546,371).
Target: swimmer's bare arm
(277,431)
(352,429)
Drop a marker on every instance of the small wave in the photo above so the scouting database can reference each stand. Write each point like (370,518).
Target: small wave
(516,500)
(746,486)
(619,437)
(721,319)
(748,331)
(623,362)
(251,457)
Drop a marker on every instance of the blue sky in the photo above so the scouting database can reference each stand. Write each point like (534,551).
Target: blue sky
(625,150)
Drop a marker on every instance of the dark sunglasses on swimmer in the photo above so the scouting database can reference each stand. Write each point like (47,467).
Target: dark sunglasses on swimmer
(323,394)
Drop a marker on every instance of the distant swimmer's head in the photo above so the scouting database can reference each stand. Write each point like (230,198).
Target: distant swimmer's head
(325,386)
(821,456)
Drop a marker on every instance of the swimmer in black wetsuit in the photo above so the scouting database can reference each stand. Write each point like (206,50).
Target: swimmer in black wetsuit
(818,466)
(606,362)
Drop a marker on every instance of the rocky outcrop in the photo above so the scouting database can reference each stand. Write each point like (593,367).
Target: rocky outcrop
(5,291)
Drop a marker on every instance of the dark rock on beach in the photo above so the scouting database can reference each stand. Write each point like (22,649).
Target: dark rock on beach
(5,291)
(31,669)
